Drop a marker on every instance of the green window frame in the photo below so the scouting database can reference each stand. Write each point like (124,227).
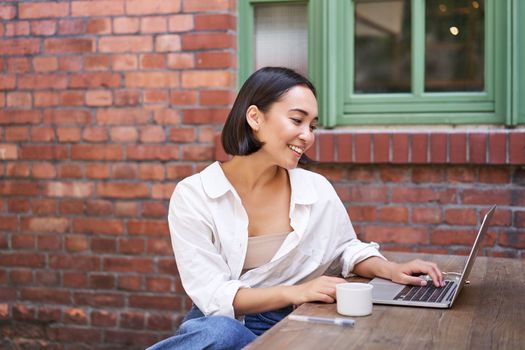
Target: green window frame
(330,67)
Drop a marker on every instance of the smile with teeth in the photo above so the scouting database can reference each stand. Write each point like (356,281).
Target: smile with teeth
(296,149)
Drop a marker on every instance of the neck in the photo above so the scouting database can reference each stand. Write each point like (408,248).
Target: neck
(248,173)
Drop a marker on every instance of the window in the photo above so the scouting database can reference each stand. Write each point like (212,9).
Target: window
(394,61)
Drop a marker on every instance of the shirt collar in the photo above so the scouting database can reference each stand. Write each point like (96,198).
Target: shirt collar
(216,184)
(214,181)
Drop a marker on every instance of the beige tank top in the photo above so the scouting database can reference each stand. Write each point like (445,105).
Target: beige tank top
(261,250)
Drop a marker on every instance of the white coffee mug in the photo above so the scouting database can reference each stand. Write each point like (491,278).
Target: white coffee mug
(354,299)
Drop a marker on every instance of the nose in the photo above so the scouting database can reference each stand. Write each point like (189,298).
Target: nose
(307,135)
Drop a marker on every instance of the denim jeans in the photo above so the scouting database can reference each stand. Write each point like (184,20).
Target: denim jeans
(219,332)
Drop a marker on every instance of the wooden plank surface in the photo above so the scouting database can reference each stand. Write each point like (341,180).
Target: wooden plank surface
(488,314)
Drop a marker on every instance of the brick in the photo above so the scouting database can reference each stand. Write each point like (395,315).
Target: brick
(18,65)
(95,134)
(23,312)
(97,281)
(99,299)
(498,148)
(125,62)
(97,63)
(427,174)
(103,318)
(133,265)
(19,28)
(126,25)
(159,284)
(43,10)
(42,81)
(75,316)
(7,82)
(99,208)
(103,245)
(74,279)
(22,260)
(400,235)
(167,43)
(155,24)
(98,26)
(221,98)
(393,214)
(160,247)
(99,98)
(76,243)
(381,148)
(98,226)
(155,7)
(156,96)
(70,63)
(362,144)
(494,175)
(76,45)
(45,64)
(95,80)
(150,152)
(183,97)
(461,174)
(438,148)
(8,151)
(426,215)
(124,171)
(155,302)
(46,98)
(122,116)
(71,206)
(70,171)
(205,5)
(68,134)
(21,277)
(8,223)
(152,61)
(97,171)
(97,8)
(478,148)
(180,23)
(124,134)
(368,194)
(459,237)
(71,117)
(207,79)
(215,22)
(461,216)
(43,28)
(152,79)
(162,191)
(64,334)
(419,148)
(204,41)
(126,209)
(43,171)
(69,189)
(16,134)
(417,194)
(71,26)
(400,146)
(167,117)
(127,98)
(16,206)
(149,134)
(132,246)
(72,98)
(517,148)
(43,152)
(180,60)
(486,197)
(326,147)
(122,190)
(182,134)
(150,228)
(154,209)
(7,12)
(43,206)
(125,43)
(96,152)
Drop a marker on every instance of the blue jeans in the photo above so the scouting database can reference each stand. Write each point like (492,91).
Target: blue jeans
(219,332)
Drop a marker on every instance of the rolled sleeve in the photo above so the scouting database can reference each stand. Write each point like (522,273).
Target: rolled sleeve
(357,251)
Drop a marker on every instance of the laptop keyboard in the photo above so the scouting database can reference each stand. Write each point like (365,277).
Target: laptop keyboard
(428,293)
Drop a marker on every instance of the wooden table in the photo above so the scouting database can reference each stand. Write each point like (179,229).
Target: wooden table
(488,314)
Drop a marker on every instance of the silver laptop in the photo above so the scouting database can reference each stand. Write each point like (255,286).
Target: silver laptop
(390,293)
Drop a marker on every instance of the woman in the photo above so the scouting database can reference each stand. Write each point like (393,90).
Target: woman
(253,236)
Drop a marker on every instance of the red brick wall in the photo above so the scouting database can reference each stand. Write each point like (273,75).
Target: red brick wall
(105,105)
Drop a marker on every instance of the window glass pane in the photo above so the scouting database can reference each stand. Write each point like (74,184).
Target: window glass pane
(281,36)
(454,54)
(382,46)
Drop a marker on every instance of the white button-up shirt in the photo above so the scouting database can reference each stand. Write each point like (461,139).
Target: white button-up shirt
(209,235)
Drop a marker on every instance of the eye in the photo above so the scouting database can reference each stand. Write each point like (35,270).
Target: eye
(296,121)
(313,127)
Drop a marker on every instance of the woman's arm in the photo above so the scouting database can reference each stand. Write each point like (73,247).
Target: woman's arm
(256,300)
(400,273)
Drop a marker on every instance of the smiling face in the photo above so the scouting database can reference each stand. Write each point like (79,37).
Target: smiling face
(287,127)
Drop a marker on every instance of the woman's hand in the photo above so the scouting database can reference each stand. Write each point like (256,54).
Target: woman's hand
(319,289)
(404,273)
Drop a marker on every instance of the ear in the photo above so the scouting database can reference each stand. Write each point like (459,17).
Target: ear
(254,117)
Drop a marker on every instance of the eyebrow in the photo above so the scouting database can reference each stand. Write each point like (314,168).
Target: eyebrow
(302,111)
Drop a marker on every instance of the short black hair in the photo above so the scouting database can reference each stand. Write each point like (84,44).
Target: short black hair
(263,88)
